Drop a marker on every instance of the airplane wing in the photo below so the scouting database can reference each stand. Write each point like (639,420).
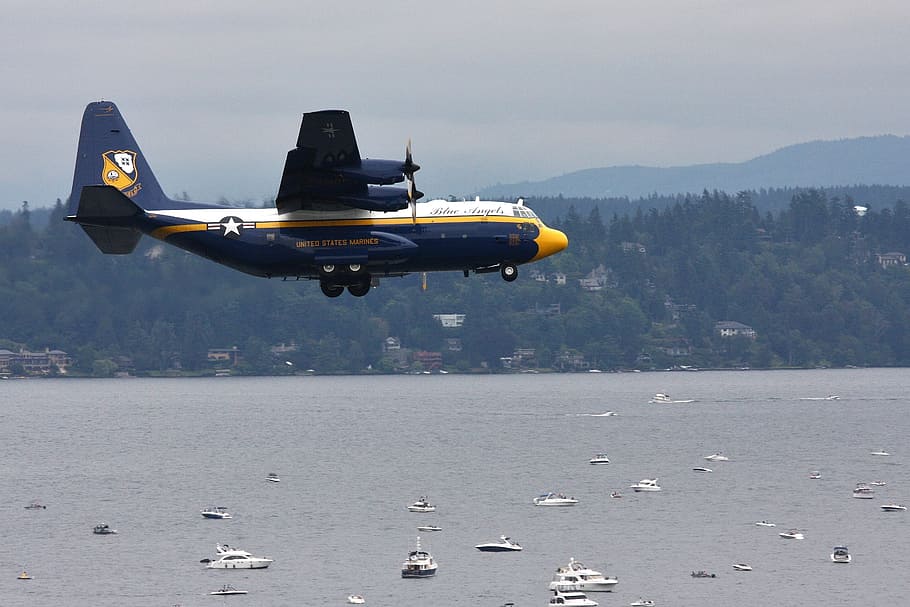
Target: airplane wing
(325,171)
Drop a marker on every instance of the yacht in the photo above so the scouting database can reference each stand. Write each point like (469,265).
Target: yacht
(571,599)
(356,599)
(881,452)
(419,563)
(703,573)
(615,494)
(576,577)
(228,590)
(765,524)
(742,567)
(893,507)
(717,457)
(422,505)
(505,544)
(23,576)
(272,478)
(103,529)
(863,492)
(600,458)
(646,484)
(219,512)
(815,475)
(793,534)
(661,398)
(429,528)
(239,559)
(642,603)
(840,554)
(554,499)
(702,469)
(878,483)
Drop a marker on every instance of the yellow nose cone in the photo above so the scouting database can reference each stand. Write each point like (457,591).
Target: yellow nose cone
(549,242)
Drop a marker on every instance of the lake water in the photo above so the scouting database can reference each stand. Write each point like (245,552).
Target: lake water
(146,455)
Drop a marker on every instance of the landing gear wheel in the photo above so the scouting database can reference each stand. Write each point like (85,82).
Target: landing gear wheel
(509,271)
(331,290)
(360,289)
(329,269)
(355,269)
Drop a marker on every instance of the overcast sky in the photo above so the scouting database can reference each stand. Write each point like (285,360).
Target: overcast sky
(488,91)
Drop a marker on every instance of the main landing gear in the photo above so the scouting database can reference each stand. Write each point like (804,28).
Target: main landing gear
(334,278)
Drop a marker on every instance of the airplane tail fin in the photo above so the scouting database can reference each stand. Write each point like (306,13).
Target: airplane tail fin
(109,155)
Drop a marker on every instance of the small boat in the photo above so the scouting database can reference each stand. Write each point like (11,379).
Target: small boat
(600,458)
(216,512)
(660,398)
(36,505)
(422,505)
(571,599)
(554,499)
(272,478)
(703,573)
(429,528)
(702,469)
(742,567)
(577,577)
(228,590)
(505,544)
(356,599)
(765,524)
(717,457)
(616,494)
(642,603)
(840,554)
(419,564)
(103,529)
(793,534)
(23,576)
(646,484)
(893,507)
(863,492)
(239,559)
(878,483)
(881,452)
(815,474)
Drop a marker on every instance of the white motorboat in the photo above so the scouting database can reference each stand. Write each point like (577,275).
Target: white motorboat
(616,494)
(742,567)
(642,603)
(765,524)
(239,559)
(356,599)
(863,492)
(228,590)
(103,529)
(815,475)
(505,544)
(422,505)
(554,499)
(881,452)
(419,564)
(429,528)
(793,534)
(660,398)
(646,484)
(893,507)
(878,483)
(272,478)
(577,577)
(216,512)
(840,554)
(702,469)
(717,457)
(571,599)
(600,458)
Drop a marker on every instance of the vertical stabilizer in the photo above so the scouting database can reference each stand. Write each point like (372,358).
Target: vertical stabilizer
(108,155)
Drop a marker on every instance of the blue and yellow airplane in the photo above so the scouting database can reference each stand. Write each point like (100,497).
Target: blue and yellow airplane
(338,218)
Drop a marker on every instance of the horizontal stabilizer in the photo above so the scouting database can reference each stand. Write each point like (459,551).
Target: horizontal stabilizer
(113,241)
(109,218)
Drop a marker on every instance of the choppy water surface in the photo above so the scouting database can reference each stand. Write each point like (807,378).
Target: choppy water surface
(352,452)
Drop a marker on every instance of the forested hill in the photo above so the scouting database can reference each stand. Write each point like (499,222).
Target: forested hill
(883,160)
(642,290)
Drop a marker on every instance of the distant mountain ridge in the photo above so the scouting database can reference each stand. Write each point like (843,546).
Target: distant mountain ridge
(879,160)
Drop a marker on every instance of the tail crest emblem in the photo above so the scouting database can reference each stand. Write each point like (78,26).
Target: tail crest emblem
(119,168)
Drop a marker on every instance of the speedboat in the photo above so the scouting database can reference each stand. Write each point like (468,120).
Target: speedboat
(355,599)
(765,524)
(863,492)
(600,458)
(703,573)
(36,505)
(422,505)
(429,528)
(702,469)
(893,507)
(505,544)
(840,554)
(554,499)
(23,576)
(571,599)
(878,483)
(661,398)
(239,559)
(881,452)
(103,529)
(615,494)
(272,478)
(228,590)
(717,457)
(646,484)
(815,474)
(793,534)
(419,563)
(742,567)
(219,512)
(576,577)
(642,603)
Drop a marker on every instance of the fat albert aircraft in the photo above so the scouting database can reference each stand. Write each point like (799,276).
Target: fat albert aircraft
(337,218)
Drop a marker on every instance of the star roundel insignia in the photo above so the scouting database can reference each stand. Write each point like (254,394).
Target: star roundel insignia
(231,227)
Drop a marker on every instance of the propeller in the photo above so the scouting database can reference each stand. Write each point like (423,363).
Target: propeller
(408,169)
